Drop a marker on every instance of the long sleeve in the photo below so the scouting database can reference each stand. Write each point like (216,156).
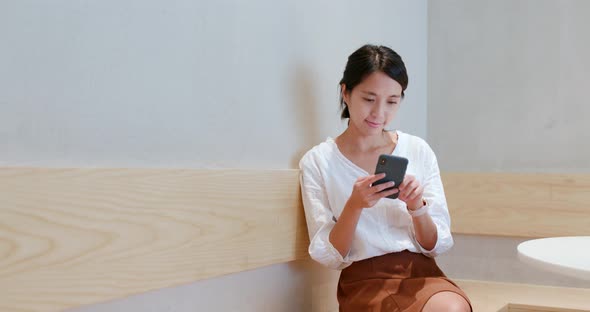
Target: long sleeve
(319,217)
(438,210)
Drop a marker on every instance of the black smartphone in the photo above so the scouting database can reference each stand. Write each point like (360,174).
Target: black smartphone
(394,168)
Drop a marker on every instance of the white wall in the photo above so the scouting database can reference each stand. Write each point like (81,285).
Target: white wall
(508,85)
(194,84)
(507,90)
(188,84)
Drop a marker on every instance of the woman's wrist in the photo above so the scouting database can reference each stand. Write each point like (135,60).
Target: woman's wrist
(420,209)
(352,205)
(415,206)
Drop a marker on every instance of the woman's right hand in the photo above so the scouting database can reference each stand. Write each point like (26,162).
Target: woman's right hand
(366,195)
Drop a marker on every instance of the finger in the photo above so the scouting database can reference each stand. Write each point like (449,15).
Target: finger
(376,177)
(381,187)
(364,182)
(361,179)
(390,192)
(383,194)
(410,187)
(403,196)
(415,194)
(407,189)
(407,180)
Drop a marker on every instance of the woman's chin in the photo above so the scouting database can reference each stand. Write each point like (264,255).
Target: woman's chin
(373,131)
(368,129)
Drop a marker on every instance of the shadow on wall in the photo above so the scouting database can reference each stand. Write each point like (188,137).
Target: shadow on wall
(306,113)
(319,282)
(319,286)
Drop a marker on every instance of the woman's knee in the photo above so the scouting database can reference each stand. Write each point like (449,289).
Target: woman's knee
(447,301)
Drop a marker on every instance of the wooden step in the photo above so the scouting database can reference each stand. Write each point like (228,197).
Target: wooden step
(511,297)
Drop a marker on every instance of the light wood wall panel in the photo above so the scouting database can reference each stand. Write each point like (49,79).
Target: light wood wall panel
(508,297)
(70,237)
(523,205)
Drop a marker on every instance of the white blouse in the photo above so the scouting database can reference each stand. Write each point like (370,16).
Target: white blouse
(327,179)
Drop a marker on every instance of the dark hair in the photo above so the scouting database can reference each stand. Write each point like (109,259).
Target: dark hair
(367,60)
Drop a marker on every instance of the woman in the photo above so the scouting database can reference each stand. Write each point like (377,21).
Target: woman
(384,247)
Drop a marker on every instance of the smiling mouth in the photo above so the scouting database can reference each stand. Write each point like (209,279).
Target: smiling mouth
(373,124)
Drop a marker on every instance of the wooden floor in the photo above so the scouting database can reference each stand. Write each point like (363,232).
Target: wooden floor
(508,297)
(529,308)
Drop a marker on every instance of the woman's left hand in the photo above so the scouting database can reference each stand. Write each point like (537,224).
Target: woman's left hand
(411,192)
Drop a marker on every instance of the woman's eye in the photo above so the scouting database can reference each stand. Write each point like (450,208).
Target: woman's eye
(392,103)
(369,100)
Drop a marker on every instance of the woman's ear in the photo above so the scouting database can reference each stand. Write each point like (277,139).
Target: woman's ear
(345,94)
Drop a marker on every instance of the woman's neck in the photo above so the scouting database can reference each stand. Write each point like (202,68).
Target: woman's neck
(353,141)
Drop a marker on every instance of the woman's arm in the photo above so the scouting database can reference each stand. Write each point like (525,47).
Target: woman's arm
(431,227)
(411,192)
(425,230)
(330,246)
(364,195)
(343,232)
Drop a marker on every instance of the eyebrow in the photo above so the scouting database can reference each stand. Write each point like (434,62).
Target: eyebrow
(375,94)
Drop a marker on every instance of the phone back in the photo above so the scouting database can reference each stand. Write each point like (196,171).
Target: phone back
(394,168)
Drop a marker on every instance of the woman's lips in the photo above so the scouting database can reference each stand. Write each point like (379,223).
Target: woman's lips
(373,124)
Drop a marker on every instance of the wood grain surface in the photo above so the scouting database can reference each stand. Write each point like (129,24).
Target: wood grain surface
(521,205)
(488,296)
(70,237)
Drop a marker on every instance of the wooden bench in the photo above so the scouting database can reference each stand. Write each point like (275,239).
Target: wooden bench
(493,296)
(71,237)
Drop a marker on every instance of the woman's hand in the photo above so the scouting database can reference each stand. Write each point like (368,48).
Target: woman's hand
(366,195)
(411,192)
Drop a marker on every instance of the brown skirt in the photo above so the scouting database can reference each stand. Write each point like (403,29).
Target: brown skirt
(400,281)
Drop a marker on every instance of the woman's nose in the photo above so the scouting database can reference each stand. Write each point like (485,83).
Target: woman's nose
(378,109)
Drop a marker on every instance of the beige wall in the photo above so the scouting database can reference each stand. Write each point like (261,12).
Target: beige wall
(507,92)
(195,84)
(508,85)
(179,83)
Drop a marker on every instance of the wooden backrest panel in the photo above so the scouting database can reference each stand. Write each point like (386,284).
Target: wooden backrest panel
(70,237)
(524,205)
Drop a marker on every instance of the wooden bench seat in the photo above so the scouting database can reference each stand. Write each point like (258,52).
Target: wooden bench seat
(511,297)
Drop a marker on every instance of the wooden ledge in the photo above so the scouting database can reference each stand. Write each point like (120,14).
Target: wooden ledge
(523,205)
(511,297)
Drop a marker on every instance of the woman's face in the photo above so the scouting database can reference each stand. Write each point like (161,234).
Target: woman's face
(373,103)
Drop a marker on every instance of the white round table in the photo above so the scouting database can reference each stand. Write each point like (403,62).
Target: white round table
(565,255)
